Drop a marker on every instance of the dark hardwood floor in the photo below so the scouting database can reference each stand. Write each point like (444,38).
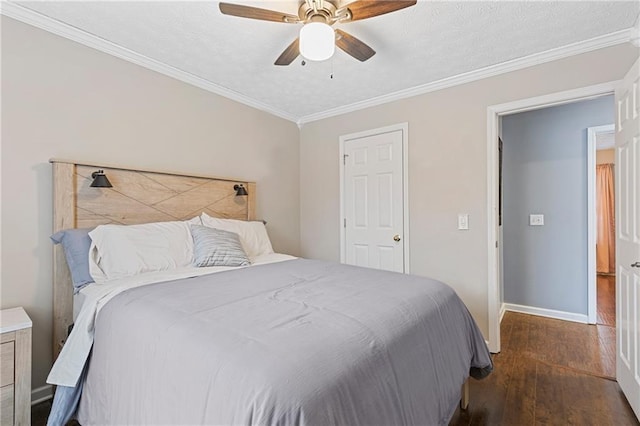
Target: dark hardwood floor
(549,372)
(606,300)
(39,413)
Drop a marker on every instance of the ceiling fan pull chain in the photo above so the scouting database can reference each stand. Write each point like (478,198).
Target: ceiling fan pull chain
(331,76)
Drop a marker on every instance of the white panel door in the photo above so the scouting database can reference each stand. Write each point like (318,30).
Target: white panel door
(628,237)
(373,201)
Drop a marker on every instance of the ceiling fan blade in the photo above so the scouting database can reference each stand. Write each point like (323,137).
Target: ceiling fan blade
(256,13)
(289,54)
(353,46)
(363,9)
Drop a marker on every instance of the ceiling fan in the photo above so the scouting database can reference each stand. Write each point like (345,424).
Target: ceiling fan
(317,38)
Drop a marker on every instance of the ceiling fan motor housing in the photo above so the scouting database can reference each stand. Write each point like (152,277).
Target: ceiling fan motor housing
(313,13)
(326,13)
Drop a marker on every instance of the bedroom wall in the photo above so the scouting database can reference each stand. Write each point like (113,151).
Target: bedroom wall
(447,166)
(545,172)
(62,99)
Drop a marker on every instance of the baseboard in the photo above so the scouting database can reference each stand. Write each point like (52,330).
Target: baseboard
(503,309)
(549,313)
(41,394)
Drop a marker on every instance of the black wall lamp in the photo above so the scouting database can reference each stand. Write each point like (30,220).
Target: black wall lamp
(100,180)
(240,190)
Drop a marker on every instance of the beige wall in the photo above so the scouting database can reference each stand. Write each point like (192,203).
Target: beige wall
(62,99)
(447,167)
(604,156)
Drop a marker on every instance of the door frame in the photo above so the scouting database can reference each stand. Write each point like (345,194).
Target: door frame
(404,128)
(592,217)
(494,112)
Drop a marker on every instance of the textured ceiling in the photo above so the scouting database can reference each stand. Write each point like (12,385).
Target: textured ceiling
(415,46)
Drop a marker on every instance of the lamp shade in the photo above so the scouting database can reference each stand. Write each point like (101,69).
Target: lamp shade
(100,180)
(240,190)
(317,41)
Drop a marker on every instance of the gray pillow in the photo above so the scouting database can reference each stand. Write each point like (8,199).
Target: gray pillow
(215,247)
(76,244)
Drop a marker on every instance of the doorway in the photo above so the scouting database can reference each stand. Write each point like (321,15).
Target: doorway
(627,145)
(602,309)
(374,198)
(494,114)
(548,230)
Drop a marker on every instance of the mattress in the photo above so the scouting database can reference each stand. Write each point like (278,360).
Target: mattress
(294,342)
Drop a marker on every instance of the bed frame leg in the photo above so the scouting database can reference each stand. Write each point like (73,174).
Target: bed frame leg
(464,400)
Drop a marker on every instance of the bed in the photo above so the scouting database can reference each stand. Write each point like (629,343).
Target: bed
(283,341)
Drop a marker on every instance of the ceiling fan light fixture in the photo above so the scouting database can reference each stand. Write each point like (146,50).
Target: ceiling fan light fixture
(317,41)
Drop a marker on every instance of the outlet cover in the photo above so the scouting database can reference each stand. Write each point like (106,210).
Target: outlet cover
(536,220)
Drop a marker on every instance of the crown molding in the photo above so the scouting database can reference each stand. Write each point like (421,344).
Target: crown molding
(607,40)
(634,37)
(59,28)
(38,20)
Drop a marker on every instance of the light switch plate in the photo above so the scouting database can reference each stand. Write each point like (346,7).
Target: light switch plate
(536,219)
(463,221)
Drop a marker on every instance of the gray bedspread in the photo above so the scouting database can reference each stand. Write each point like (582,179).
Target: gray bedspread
(299,342)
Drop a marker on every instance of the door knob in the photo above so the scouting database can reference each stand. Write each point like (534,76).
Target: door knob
(635,265)
(396,238)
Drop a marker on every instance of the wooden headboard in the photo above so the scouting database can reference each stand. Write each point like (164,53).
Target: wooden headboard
(137,196)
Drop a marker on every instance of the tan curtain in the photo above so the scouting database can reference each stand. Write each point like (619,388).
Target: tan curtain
(606,236)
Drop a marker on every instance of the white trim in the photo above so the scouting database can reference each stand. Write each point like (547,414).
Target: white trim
(634,36)
(41,394)
(51,25)
(592,218)
(607,40)
(591,226)
(405,196)
(341,218)
(503,309)
(493,236)
(493,114)
(404,127)
(549,313)
(54,26)
(555,99)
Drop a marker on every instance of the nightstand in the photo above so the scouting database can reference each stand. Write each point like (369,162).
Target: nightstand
(15,367)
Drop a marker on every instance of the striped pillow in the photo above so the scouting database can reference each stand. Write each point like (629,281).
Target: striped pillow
(215,247)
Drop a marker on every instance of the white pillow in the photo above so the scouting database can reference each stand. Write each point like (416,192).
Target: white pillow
(253,235)
(119,251)
(194,221)
(95,271)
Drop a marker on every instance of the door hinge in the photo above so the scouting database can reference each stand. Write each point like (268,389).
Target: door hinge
(344,222)
(496,244)
(344,159)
